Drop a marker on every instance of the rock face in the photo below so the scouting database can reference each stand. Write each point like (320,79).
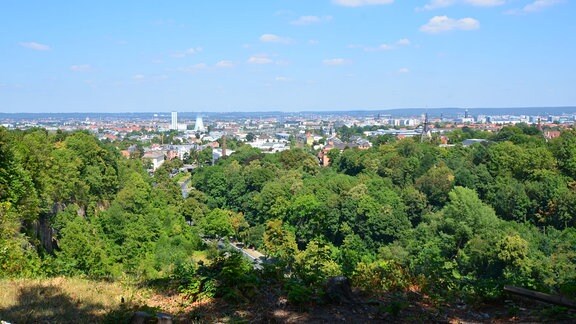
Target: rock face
(44,231)
(141,318)
(43,228)
(338,290)
(164,318)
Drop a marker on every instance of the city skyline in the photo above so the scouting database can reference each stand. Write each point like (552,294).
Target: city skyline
(287,55)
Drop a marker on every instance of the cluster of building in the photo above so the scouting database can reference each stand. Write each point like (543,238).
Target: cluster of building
(168,136)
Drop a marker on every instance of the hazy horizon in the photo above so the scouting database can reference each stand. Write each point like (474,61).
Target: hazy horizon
(447,111)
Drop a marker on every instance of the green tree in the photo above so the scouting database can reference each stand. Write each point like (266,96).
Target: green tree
(415,203)
(507,159)
(317,263)
(454,248)
(217,223)
(352,251)
(205,157)
(135,196)
(298,158)
(307,216)
(194,208)
(18,258)
(564,149)
(508,198)
(436,183)
(81,249)
(279,242)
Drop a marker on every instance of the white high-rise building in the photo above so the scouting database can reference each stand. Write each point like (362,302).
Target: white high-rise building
(174,123)
(199,126)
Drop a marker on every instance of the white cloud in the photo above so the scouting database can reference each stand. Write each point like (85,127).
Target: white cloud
(281,79)
(283,12)
(187,52)
(35,46)
(539,5)
(384,47)
(81,68)
(142,78)
(193,68)
(260,59)
(535,6)
(271,38)
(404,70)
(199,66)
(193,50)
(359,3)
(313,42)
(435,4)
(485,3)
(225,64)
(310,20)
(403,42)
(438,24)
(335,61)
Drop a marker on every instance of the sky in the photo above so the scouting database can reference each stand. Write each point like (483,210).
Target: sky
(285,55)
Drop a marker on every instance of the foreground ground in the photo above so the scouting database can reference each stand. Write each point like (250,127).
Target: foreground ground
(73,300)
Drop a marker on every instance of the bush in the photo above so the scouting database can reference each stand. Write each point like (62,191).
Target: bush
(380,276)
(228,276)
(297,293)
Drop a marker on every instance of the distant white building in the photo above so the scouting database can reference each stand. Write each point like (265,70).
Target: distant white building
(473,141)
(465,120)
(182,149)
(408,122)
(270,145)
(217,153)
(156,157)
(174,123)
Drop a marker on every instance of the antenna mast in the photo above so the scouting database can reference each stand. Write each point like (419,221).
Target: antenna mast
(224,145)
(425,129)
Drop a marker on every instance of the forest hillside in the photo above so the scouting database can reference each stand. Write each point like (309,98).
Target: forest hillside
(406,222)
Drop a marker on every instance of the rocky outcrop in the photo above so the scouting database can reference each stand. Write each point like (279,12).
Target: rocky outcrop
(338,290)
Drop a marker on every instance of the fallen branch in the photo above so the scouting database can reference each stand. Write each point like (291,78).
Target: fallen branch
(552,299)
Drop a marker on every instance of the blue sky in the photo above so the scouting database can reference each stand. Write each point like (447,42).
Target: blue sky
(289,55)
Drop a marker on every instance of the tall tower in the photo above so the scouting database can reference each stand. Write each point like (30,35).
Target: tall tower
(224,144)
(425,129)
(199,126)
(174,123)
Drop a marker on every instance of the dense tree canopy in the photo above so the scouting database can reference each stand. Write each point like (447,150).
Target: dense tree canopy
(453,220)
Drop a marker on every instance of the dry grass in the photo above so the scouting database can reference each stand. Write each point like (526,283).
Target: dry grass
(75,300)
(61,300)
(200,256)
